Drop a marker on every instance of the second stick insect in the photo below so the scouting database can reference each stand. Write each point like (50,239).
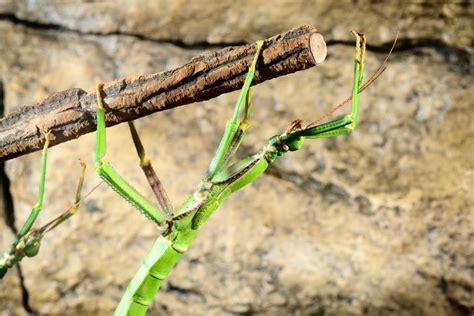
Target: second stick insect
(180,226)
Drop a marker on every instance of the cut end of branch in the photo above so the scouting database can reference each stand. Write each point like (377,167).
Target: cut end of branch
(318,47)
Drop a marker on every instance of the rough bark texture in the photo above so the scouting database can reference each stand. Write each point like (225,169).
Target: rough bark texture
(71,113)
(377,223)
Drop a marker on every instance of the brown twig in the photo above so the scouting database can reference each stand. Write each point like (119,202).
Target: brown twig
(71,113)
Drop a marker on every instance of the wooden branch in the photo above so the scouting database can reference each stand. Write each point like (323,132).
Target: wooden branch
(71,113)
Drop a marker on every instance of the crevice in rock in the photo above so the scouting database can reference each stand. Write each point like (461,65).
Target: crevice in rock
(31,24)
(7,202)
(458,57)
(403,44)
(5,195)
(25,294)
(331,192)
(9,217)
(182,291)
(56,27)
(460,309)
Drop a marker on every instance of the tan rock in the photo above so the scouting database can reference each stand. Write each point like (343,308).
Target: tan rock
(227,21)
(378,223)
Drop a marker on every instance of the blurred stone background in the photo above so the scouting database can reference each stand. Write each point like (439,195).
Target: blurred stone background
(377,223)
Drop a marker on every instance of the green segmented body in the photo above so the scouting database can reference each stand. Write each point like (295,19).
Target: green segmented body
(167,250)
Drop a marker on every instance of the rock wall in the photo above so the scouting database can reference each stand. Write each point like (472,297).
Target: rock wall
(377,223)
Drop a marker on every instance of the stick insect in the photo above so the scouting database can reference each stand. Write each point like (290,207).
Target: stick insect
(180,226)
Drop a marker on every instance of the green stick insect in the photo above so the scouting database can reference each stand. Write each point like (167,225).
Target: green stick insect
(179,227)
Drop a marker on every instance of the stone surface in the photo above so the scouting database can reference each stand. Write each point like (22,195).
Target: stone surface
(378,223)
(227,21)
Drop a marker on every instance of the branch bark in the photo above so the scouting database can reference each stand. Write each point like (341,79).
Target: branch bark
(71,113)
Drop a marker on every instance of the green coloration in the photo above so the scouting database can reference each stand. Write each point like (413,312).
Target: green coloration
(223,153)
(28,240)
(129,193)
(111,177)
(32,246)
(39,203)
(221,179)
